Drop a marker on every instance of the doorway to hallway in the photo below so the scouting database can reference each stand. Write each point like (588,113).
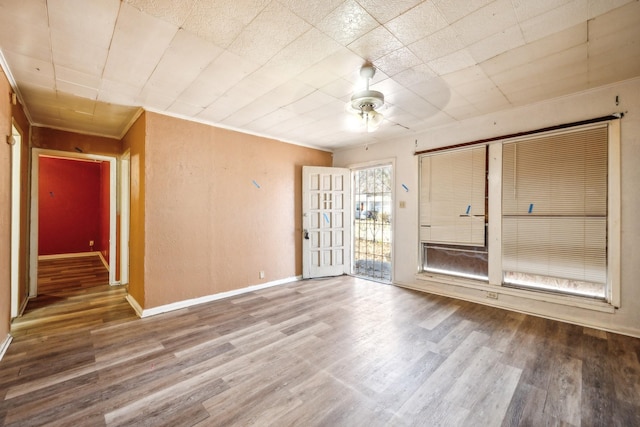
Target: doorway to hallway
(372,231)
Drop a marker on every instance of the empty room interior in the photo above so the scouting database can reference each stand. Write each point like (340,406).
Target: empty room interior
(337,213)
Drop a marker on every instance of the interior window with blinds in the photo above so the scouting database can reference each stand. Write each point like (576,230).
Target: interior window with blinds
(554,212)
(452,212)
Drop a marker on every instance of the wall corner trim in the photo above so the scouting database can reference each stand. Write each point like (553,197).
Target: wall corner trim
(5,345)
(208,298)
(134,304)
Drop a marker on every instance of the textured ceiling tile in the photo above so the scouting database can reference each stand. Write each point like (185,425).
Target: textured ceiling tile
(334,107)
(117,92)
(347,22)
(437,45)
(310,102)
(343,63)
(314,11)
(414,75)
(616,21)
(249,113)
(218,110)
(491,19)
(388,87)
(217,78)
(287,93)
(417,23)
(32,71)
(273,29)
(307,50)
(76,90)
(25,14)
(77,77)
(454,10)
(271,120)
(185,58)
(487,98)
(376,43)
(221,21)
(527,9)
(466,76)
(172,11)
(408,100)
(317,76)
(546,46)
(496,44)
(435,90)
(296,121)
(339,88)
(184,109)
(249,89)
(385,10)
(558,19)
(155,100)
(453,62)
(397,61)
(66,101)
(138,44)
(614,45)
(76,53)
(599,7)
(92,22)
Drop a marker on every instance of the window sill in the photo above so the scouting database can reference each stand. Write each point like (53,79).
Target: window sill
(525,295)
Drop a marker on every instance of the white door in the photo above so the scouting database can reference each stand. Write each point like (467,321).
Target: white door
(325,221)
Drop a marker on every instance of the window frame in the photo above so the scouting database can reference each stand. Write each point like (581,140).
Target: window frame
(494,228)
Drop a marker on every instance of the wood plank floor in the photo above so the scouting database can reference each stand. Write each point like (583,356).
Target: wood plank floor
(63,274)
(332,352)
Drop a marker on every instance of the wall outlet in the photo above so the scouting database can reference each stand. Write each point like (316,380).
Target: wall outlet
(261,274)
(492,295)
(90,242)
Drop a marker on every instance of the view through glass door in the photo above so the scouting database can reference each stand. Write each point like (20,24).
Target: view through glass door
(373,204)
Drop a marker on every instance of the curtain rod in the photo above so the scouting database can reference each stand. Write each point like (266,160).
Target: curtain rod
(525,133)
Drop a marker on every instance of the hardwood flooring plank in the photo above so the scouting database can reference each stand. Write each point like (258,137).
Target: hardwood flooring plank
(339,352)
(437,316)
(444,377)
(565,391)
(526,406)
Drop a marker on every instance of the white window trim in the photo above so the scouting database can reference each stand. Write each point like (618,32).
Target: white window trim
(494,193)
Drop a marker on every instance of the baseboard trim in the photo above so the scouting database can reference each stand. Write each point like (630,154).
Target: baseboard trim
(201,300)
(451,291)
(135,305)
(71,255)
(104,261)
(5,345)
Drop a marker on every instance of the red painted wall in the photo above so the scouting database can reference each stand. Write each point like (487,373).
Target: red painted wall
(69,206)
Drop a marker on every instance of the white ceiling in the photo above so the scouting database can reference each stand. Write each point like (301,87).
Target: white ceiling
(285,68)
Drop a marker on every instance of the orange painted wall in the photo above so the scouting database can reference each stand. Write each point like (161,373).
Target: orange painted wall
(220,207)
(134,141)
(5,208)
(53,139)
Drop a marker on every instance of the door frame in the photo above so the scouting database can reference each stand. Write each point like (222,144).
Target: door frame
(125,209)
(367,165)
(16,168)
(308,270)
(35,185)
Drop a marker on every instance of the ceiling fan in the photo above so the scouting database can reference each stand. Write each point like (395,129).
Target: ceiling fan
(366,103)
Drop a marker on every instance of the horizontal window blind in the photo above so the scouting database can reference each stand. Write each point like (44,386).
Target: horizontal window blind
(452,197)
(554,206)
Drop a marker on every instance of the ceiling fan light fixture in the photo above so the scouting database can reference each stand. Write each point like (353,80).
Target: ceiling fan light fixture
(365,103)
